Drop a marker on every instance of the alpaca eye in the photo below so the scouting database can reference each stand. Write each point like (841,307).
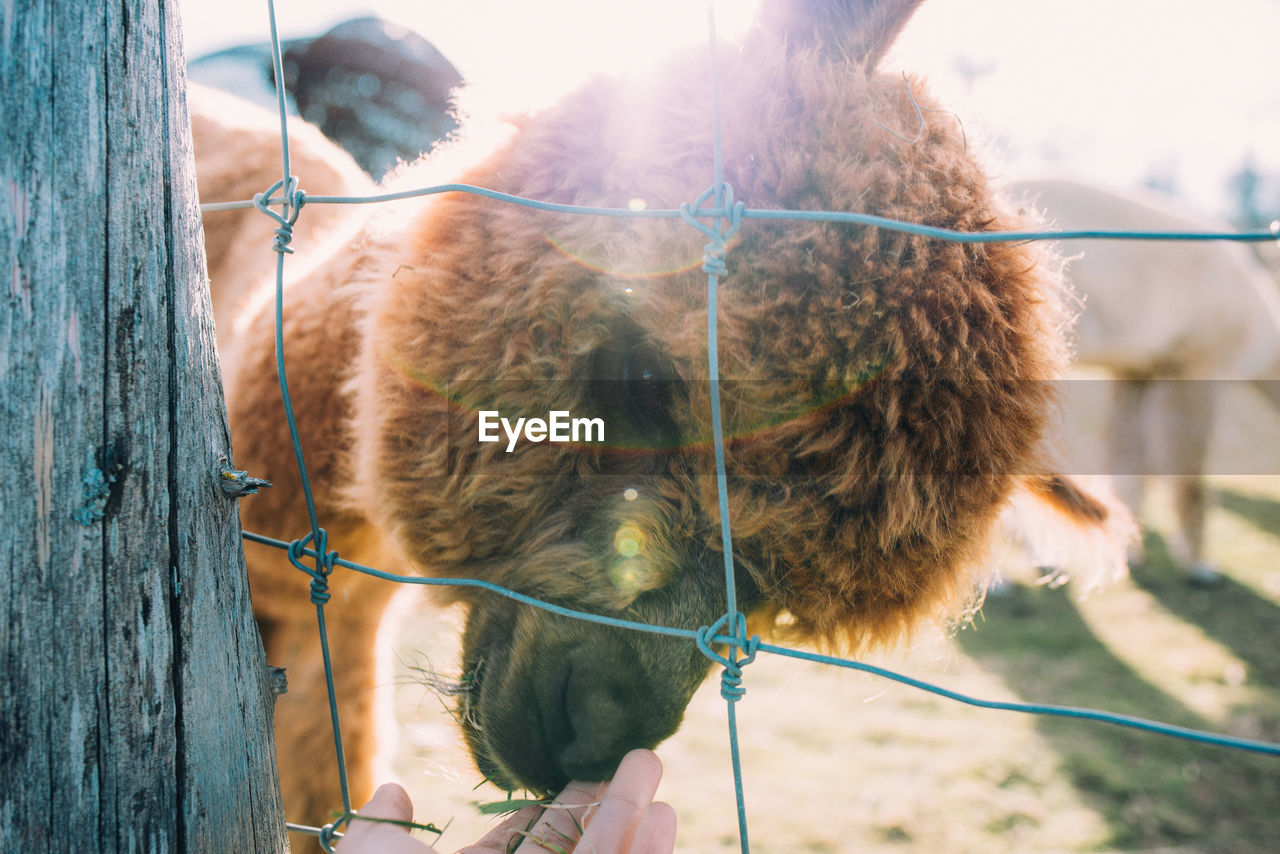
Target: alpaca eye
(634,384)
(639,366)
(644,383)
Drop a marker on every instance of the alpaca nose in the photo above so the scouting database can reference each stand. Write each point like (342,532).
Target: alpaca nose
(605,711)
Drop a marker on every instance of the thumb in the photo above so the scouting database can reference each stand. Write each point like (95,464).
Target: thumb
(390,801)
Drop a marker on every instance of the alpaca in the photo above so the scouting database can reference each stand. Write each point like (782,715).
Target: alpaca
(1170,322)
(884,398)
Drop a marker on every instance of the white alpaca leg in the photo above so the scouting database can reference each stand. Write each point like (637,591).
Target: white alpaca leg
(1187,424)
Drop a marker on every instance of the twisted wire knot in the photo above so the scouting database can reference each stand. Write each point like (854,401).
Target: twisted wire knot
(329,834)
(294,199)
(714,252)
(731,677)
(325,562)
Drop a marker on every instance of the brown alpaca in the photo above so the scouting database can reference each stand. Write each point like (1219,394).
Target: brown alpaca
(883,397)
(1172,322)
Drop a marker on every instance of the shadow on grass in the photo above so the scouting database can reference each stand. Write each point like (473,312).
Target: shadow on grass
(1153,791)
(1231,613)
(1262,512)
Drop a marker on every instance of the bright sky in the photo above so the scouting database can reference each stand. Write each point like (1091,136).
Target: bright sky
(1117,91)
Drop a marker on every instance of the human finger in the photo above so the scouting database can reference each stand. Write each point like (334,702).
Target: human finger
(656,831)
(598,817)
(562,820)
(390,802)
(611,827)
(498,840)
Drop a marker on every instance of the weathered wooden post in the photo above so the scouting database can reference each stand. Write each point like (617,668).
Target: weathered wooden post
(134,708)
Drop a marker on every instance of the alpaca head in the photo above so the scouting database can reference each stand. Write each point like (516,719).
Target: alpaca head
(882,394)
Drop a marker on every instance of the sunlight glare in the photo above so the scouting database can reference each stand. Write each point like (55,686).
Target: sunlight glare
(532,53)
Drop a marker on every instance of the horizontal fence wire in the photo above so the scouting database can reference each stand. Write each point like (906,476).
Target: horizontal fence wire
(842,217)
(725,217)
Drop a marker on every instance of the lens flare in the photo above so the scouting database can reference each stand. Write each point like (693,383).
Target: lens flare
(628,541)
(637,269)
(629,576)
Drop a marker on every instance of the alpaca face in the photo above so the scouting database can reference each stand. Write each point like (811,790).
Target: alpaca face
(552,700)
(882,393)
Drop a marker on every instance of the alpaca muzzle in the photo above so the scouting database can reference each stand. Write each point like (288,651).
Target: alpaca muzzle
(599,716)
(558,699)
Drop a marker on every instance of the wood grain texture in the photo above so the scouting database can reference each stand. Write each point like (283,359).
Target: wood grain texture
(134,708)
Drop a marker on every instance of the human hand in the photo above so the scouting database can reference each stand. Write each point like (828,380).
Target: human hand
(617,817)
(389,802)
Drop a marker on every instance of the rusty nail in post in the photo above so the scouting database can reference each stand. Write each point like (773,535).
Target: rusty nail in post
(238,484)
(277,681)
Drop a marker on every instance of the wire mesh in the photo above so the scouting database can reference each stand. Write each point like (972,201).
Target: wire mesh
(717,216)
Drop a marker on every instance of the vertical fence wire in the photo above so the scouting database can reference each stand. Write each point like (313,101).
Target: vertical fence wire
(714,267)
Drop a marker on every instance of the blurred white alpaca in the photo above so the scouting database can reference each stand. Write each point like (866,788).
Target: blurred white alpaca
(1170,321)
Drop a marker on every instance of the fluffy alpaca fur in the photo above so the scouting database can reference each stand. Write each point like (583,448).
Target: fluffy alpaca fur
(1171,322)
(884,396)
(240,157)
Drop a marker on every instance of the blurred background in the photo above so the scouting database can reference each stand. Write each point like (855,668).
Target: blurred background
(1146,92)
(1134,96)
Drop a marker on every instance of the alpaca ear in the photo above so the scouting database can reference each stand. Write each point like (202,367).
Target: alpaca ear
(857,30)
(1068,498)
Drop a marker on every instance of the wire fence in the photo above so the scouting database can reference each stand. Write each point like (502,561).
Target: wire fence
(717,215)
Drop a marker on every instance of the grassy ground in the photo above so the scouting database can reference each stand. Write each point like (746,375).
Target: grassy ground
(839,761)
